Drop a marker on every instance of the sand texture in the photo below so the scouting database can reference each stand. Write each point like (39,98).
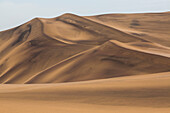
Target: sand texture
(111,63)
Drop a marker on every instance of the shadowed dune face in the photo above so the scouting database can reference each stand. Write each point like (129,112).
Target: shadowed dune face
(97,64)
(109,60)
(73,48)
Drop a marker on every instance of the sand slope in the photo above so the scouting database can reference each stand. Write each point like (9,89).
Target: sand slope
(114,63)
(134,94)
(41,45)
(112,59)
(148,26)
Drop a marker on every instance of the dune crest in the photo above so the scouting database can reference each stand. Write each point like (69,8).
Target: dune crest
(41,44)
(88,64)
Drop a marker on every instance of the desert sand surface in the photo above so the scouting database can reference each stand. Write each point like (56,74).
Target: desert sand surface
(132,94)
(111,63)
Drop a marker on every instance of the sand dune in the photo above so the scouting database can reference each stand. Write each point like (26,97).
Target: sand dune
(149,26)
(112,59)
(105,63)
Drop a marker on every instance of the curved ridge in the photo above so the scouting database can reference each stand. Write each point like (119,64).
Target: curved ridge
(63,61)
(131,47)
(60,39)
(66,16)
(56,73)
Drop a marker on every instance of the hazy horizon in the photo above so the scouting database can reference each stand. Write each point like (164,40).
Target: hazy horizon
(16,12)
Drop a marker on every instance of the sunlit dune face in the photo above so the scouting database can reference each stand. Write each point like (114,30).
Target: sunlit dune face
(90,64)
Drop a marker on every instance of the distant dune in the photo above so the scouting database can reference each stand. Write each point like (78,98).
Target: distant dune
(111,63)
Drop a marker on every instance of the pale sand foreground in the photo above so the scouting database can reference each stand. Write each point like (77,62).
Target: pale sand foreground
(59,107)
(133,94)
